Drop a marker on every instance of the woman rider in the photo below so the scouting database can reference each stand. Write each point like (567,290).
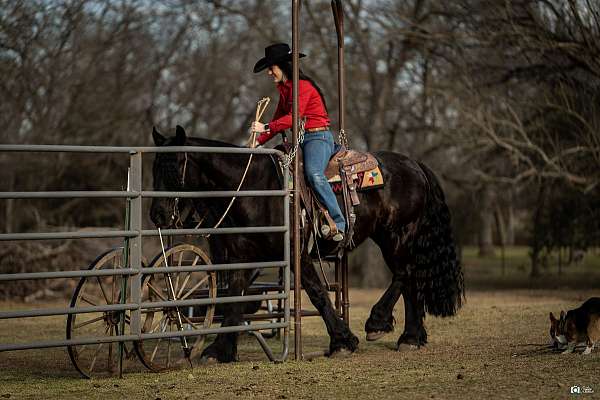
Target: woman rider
(318,145)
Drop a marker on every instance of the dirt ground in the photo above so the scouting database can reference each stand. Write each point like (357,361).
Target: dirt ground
(488,350)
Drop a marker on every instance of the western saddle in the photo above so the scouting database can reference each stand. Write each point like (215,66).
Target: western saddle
(349,172)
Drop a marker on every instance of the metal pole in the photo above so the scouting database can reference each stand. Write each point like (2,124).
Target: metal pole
(287,269)
(135,243)
(345,294)
(124,278)
(338,15)
(296,226)
(338,287)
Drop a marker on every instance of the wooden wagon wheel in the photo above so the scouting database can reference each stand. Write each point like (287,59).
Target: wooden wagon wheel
(164,353)
(99,359)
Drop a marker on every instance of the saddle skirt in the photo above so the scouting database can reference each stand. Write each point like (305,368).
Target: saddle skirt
(361,169)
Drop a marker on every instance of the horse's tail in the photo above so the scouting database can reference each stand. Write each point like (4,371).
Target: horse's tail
(438,271)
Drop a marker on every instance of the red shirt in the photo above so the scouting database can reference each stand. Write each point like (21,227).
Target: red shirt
(310,106)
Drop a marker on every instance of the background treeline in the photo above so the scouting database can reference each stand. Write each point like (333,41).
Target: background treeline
(500,98)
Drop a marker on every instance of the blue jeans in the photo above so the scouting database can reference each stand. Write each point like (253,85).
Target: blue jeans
(318,147)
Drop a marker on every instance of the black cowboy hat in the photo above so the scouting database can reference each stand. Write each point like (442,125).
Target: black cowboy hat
(275,53)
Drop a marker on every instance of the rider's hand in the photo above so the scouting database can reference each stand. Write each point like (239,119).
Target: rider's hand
(258,127)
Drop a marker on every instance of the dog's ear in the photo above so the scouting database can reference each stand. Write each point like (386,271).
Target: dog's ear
(159,139)
(552,319)
(180,136)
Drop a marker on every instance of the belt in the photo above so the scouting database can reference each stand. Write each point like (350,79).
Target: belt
(319,129)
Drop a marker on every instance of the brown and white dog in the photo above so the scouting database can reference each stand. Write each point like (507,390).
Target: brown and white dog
(580,326)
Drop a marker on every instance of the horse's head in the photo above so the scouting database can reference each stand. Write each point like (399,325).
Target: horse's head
(169,174)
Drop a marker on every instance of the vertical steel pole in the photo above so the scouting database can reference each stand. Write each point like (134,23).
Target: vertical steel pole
(345,294)
(124,278)
(296,208)
(342,104)
(338,287)
(135,243)
(286,271)
(338,15)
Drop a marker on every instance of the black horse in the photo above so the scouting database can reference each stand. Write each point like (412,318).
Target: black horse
(407,218)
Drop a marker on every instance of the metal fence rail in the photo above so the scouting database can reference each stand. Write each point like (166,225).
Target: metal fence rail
(134,235)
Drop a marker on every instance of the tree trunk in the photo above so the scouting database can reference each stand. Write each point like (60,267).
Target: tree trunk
(510,221)
(486,219)
(560,251)
(8,215)
(500,228)
(537,238)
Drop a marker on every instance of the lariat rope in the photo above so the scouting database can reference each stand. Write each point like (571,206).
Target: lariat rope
(260,110)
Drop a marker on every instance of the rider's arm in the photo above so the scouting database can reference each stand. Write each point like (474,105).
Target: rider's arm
(283,122)
(268,134)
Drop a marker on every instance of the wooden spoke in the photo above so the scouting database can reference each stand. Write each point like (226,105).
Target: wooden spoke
(196,286)
(88,301)
(184,284)
(176,286)
(153,329)
(95,357)
(88,322)
(82,348)
(98,351)
(155,349)
(156,292)
(189,321)
(102,290)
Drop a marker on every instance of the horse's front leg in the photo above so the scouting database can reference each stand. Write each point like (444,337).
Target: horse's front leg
(341,338)
(224,348)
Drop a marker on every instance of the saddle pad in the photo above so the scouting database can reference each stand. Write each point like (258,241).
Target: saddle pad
(365,180)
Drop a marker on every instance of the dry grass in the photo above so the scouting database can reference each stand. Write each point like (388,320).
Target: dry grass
(480,353)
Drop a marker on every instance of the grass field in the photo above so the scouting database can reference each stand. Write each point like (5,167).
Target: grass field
(488,272)
(488,350)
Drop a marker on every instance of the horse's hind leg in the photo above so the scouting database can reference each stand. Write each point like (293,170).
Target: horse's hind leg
(339,333)
(381,320)
(414,314)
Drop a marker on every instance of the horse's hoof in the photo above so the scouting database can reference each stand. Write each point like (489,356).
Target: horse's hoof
(208,361)
(407,347)
(341,353)
(372,336)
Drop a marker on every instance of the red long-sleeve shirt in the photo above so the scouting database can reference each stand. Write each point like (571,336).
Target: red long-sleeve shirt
(310,106)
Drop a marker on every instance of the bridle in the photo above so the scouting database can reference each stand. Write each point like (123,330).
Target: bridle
(177,217)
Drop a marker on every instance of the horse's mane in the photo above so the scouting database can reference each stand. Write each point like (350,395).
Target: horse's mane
(200,141)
